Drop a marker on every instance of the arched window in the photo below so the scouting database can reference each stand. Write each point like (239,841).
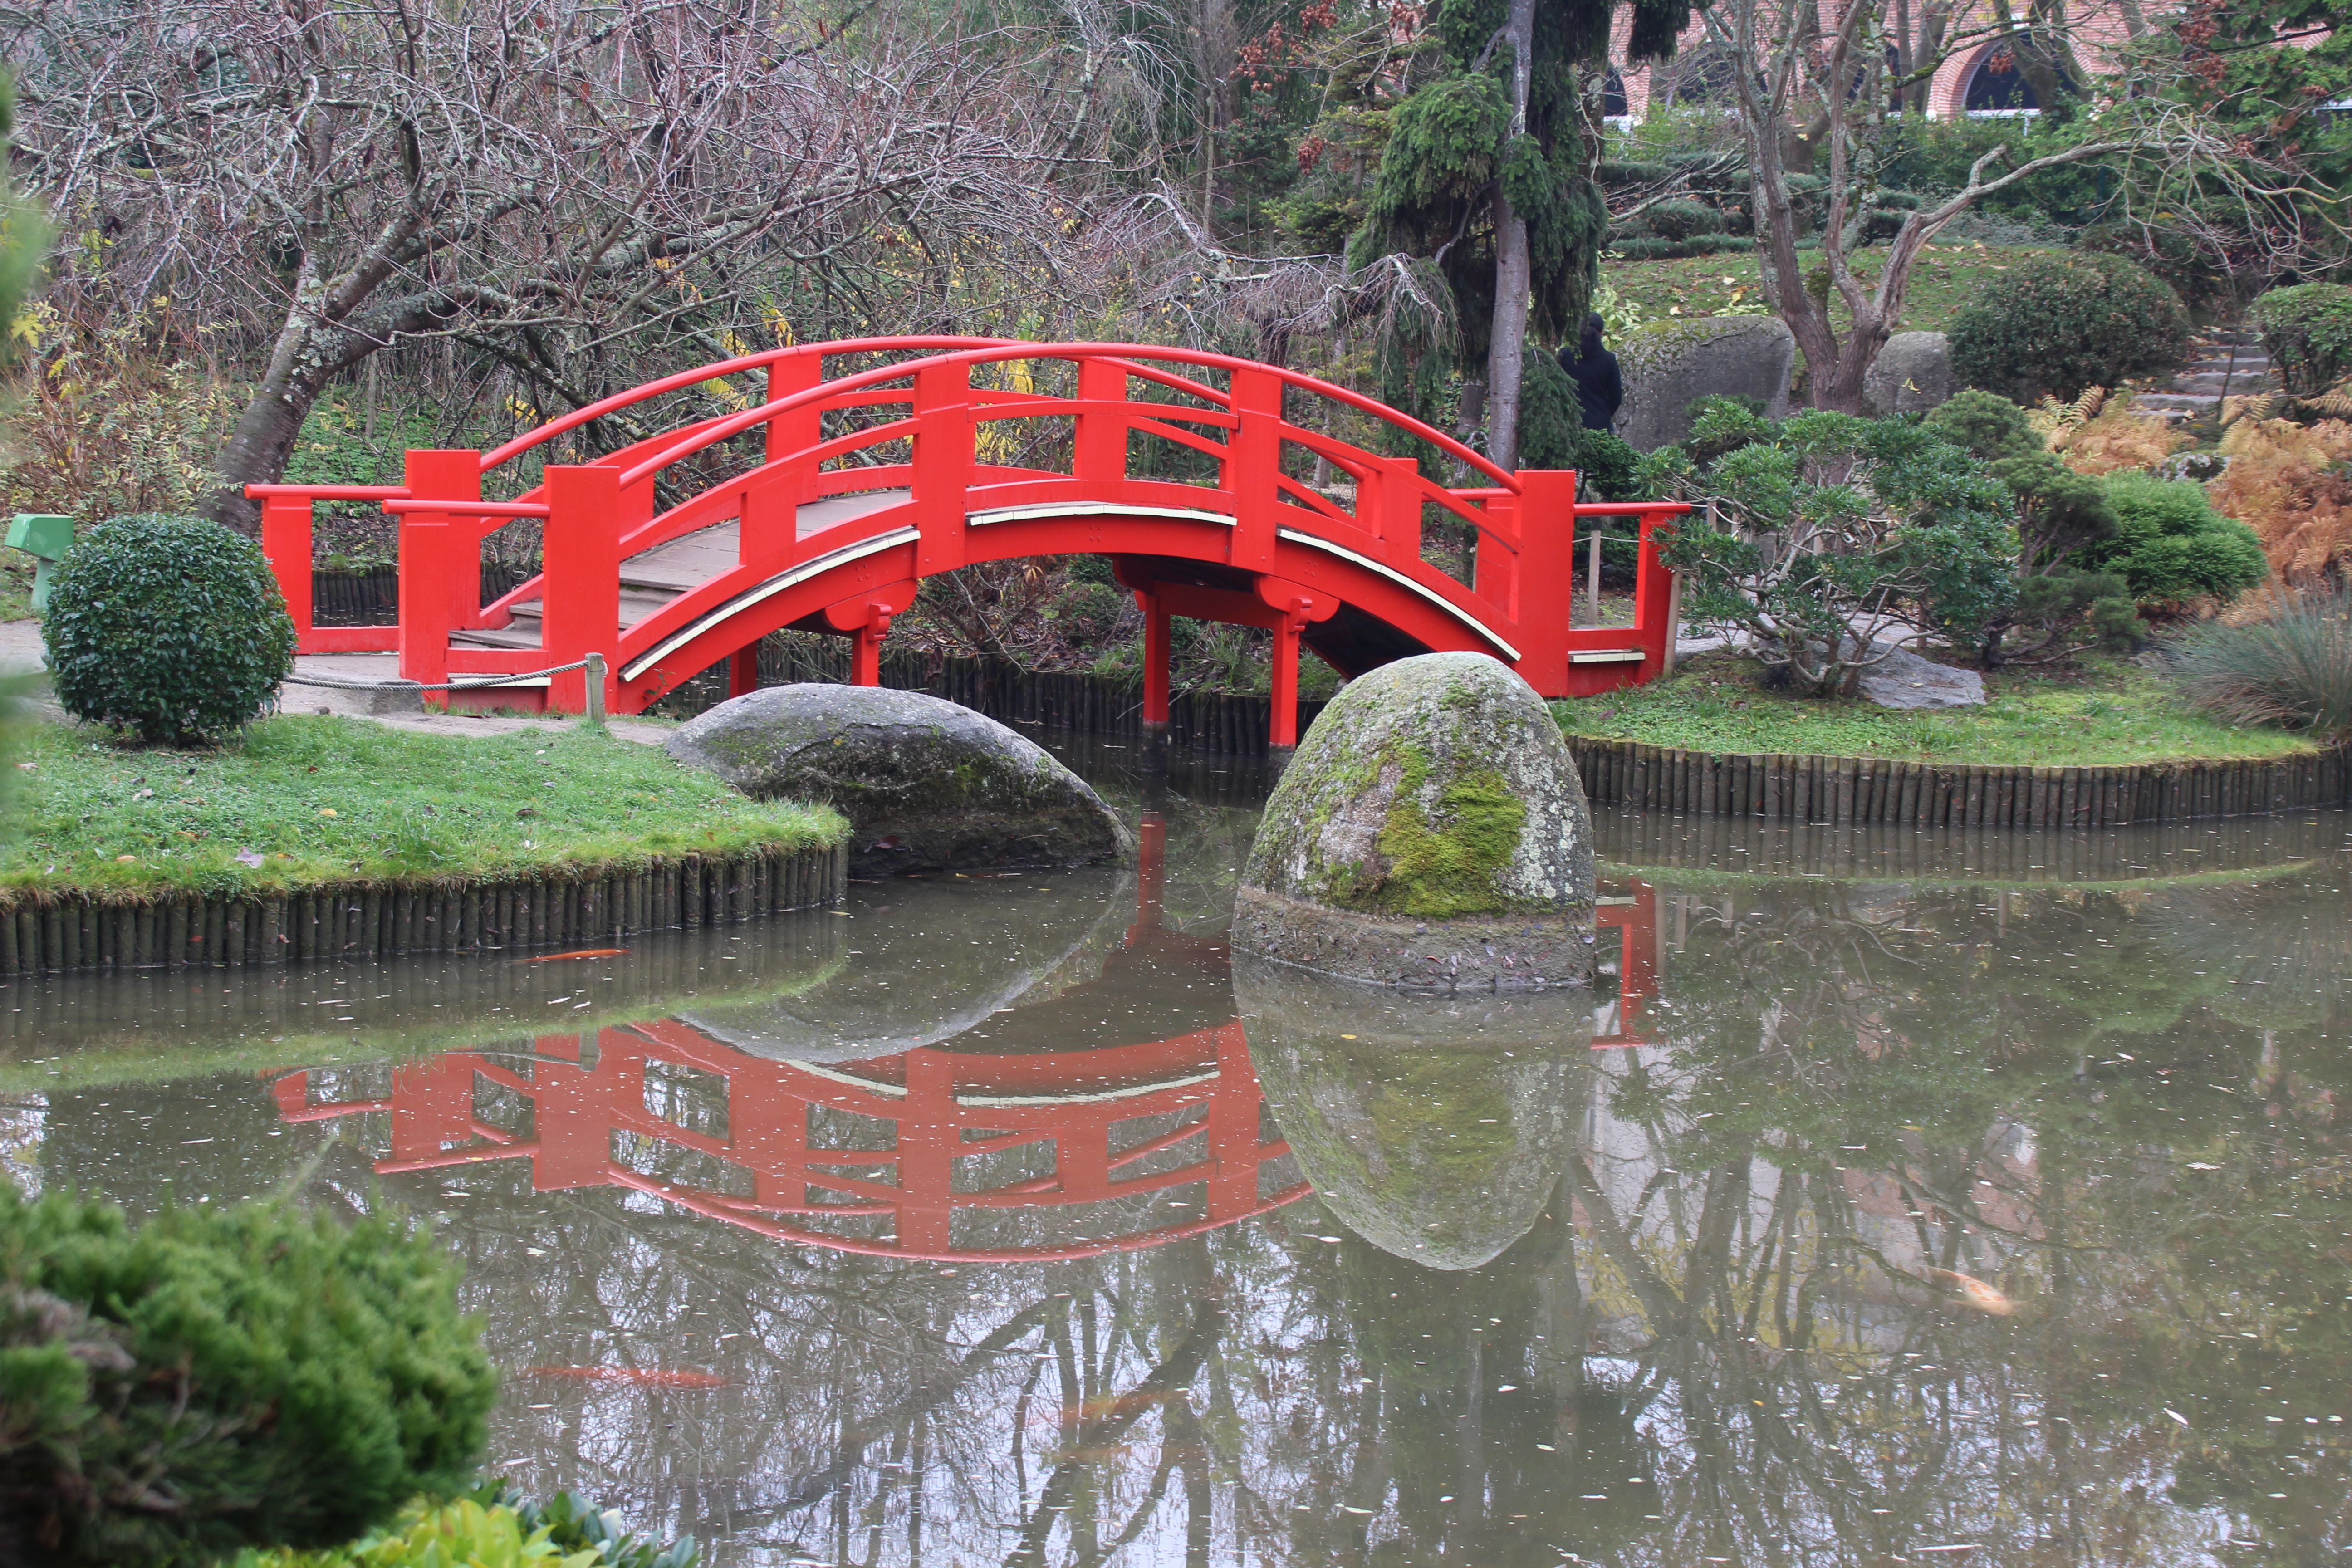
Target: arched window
(1613,97)
(1997,85)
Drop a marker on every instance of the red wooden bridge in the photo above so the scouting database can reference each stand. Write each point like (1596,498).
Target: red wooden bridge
(683,549)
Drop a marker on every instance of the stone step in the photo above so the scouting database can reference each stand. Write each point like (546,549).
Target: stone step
(2220,383)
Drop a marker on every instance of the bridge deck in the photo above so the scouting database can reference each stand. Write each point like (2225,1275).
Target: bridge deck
(660,575)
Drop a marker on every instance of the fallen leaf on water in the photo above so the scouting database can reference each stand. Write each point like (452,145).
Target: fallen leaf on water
(580,952)
(644,1376)
(1974,1292)
(2201,1165)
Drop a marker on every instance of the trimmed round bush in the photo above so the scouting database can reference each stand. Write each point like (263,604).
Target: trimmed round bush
(2308,330)
(224,1377)
(170,628)
(2054,324)
(2171,544)
(1986,425)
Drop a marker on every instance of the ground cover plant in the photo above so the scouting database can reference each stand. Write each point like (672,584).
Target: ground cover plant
(302,801)
(2291,484)
(2110,711)
(220,1377)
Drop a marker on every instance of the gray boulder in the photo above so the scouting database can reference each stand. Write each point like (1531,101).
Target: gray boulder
(1669,365)
(926,784)
(1912,374)
(1433,1127)
(1904,680)
(1431,834)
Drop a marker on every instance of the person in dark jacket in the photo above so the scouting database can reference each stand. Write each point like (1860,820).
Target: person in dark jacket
(1594,370)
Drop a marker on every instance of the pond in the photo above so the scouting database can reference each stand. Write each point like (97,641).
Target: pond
(1892,1198)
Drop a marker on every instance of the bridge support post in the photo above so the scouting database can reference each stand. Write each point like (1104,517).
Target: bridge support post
(865,650)
(1282,732)
(743,671)
(1156,654)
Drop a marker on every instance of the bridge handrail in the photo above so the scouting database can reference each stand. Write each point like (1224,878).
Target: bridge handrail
(736,424)
(715,371)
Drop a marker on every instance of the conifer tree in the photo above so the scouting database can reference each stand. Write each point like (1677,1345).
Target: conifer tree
(1486,181)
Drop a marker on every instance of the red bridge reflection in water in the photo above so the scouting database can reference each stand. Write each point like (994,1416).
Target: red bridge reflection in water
(886,1156)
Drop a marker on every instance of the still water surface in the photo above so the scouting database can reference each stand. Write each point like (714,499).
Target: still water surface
(1890,1199)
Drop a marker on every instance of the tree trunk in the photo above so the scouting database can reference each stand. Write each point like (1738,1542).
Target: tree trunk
(1506,351)
(309,355)
(1514,277)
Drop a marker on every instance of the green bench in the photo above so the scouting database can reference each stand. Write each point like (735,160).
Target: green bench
(43,536)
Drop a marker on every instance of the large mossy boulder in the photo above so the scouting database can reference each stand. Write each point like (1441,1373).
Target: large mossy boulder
(1431,835)
(926,784)
(1670,365)
(1433,1127)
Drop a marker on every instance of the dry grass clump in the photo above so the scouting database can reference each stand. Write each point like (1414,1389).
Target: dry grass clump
(2291,668)
(2285,482)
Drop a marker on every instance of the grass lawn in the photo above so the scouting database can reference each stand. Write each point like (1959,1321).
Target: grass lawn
(2112,713)
(1945,279)
(312,800)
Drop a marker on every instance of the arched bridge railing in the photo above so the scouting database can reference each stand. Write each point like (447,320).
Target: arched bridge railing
(836,519)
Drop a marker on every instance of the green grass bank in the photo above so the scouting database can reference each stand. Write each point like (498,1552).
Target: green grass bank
(2111,713)
(295,804)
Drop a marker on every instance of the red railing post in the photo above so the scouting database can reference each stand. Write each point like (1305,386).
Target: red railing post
(1393,511)
(770,526)
(286,540)
(440,563)
(1254,459)
(1654,603)
(1545,578)
(1098,461)
(582,578)
(942,466)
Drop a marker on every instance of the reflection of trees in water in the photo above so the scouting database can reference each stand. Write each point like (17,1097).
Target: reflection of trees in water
(1724,1317)
(1865,1086)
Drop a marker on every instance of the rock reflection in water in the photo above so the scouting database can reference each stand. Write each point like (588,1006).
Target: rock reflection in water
(931,972)
(1433,1127)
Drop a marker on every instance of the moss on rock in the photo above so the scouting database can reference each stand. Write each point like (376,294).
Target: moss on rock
(1435,799)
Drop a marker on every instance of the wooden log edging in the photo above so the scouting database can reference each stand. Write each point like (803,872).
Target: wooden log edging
(1787,787)
(357,920)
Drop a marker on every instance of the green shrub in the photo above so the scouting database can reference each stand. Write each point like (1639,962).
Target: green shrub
(1609,464)
(2292,668)
(171,628)
(220,1378)
(1832,531)
(2054,324)
(2171,544)
(1985,425)
(1680,219)
(491,1532)
(1650,247)
(2308,330)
